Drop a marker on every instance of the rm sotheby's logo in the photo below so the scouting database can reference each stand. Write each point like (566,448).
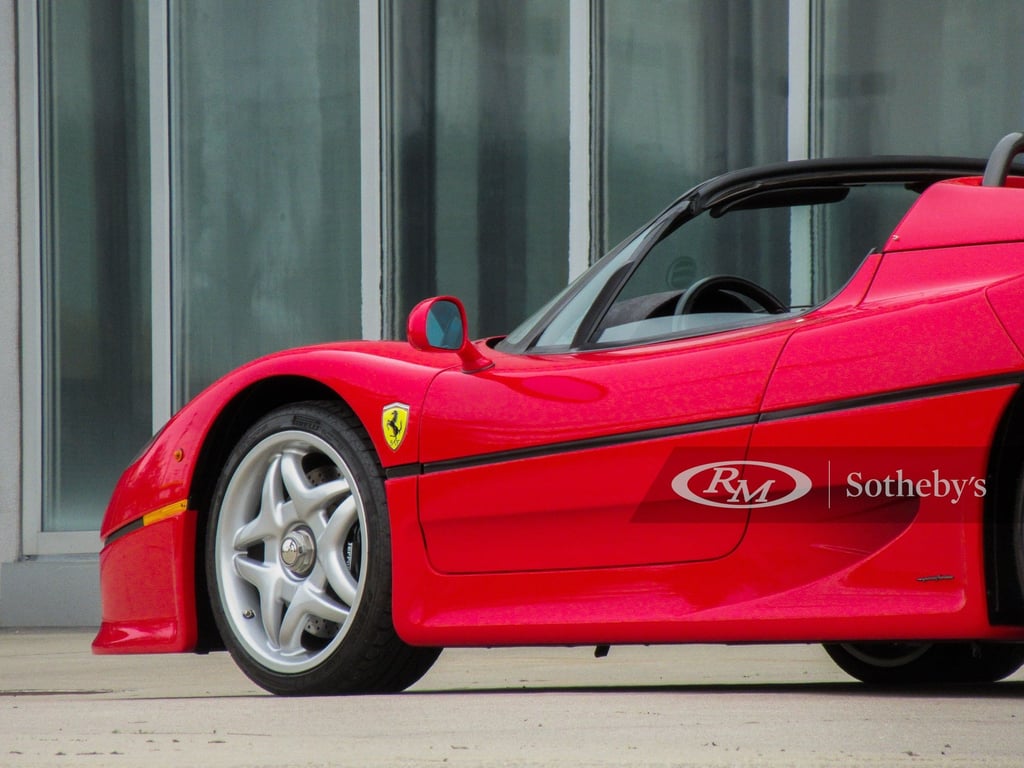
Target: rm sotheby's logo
(724,484)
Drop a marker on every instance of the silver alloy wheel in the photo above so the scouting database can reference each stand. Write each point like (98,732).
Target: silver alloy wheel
(290,550)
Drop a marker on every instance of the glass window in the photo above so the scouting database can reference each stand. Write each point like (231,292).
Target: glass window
(661,297)
(686,89)
(95,229)
(265,187)
(479,124)
(722,259)
(919,76)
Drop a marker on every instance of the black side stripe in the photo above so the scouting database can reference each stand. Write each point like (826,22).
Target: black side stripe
(589,443)
(553,449)
(897,396)
(124,530)
(627,438)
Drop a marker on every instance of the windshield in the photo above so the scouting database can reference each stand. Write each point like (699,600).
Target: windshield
(781,253)
(560,329)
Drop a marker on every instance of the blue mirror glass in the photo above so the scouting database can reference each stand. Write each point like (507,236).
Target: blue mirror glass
(444,326)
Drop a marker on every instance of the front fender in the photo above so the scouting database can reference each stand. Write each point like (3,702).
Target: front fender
(148,566)
(367,376)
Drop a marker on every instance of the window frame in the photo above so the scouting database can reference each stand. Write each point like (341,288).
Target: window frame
(34,540)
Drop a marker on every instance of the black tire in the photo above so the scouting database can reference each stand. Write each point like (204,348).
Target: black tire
(927,663)
(1017,532)
(298,559)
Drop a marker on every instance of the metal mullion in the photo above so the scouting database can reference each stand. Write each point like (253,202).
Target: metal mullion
(34,541)
(371,167)
(29,85)
(801,265)
(580,131)
(160,213)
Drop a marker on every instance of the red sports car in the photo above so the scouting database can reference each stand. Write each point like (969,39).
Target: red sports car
(735,428)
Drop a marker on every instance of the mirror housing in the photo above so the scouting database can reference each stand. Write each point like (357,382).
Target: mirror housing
(439,324)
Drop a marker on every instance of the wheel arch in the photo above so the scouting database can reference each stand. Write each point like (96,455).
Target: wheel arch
(1006,465)
(245,409)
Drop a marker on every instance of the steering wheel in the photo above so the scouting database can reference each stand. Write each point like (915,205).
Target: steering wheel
(715,294)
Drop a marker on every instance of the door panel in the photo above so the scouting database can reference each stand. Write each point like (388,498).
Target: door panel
(546,463)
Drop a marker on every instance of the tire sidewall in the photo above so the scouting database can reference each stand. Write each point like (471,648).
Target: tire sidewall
(940,663)
(345,667)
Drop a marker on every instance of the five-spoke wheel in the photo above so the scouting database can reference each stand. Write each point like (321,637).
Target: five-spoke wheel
(298,559)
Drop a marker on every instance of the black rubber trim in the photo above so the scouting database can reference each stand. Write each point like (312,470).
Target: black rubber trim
(403,470)
(895,396)
(626,438)
(552,449)
(124,530)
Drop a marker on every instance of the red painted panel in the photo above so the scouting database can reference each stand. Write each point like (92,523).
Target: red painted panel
(905,480)
(908,276)
(1007,300)
(368,376)
(892,345)
(596,508)
(961,212)
(147,584)
(810,573)
(528,401)
(573,507)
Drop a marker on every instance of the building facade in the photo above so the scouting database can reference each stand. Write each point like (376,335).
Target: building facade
(187,184)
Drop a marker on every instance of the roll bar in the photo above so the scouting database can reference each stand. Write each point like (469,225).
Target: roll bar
(998,166)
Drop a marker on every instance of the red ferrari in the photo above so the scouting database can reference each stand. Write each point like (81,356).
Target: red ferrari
(734,428)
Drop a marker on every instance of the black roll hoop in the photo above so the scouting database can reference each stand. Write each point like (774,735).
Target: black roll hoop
(998,166)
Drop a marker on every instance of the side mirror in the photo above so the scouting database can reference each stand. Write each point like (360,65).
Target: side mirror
(440,324)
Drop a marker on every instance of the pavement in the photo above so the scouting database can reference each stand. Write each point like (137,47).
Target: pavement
(644,706)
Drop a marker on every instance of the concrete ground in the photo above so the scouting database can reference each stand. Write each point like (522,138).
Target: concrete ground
(659,706)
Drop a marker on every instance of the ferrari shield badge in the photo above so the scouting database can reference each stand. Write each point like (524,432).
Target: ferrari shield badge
(394,420)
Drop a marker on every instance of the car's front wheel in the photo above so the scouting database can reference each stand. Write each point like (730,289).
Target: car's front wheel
(299,559)
(913,663)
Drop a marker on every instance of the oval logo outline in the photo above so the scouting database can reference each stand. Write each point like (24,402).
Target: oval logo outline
(802,484)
